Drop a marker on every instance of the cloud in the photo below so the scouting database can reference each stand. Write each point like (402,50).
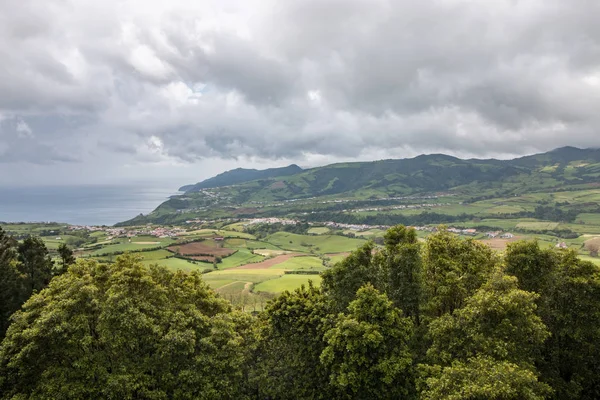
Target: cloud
(138,82)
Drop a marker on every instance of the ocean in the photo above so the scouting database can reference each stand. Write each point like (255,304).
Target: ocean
(79,205)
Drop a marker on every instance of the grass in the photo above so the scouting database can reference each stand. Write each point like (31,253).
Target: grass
(537,226)
(218,283)
(122,247)
(335,259)
(319,244)
(178,264)
(301,263)
(234,287)
(219,232)
(241,257)
(155,255)
(319,230)
(244,275)
(595,260)
(286,282)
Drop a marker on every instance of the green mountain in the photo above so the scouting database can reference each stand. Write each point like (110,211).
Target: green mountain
(240,175)
(252,192)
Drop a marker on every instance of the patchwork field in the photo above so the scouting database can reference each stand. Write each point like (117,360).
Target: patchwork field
(537,226)
(269,262)
(318,244)
(286,282)
(201,251)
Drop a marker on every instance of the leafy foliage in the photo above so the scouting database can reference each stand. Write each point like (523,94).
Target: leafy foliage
(123,331)
(367,349)
(443,319)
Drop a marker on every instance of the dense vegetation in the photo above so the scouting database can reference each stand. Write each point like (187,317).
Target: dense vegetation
(331,192)
(241,175)
(447,318)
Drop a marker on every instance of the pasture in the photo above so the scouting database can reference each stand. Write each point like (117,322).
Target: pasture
(287,282)
(318,244)
(301,263)
(537,226)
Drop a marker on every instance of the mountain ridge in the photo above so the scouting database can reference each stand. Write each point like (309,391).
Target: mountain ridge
(566,168)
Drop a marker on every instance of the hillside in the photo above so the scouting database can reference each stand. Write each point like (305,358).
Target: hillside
(240,175)
(240,193)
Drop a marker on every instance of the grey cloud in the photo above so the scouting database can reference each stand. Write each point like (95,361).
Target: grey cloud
(290,80)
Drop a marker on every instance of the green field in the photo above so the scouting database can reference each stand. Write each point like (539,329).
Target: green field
(286,282)
(318,244)
(320,230)
(537,226)
(595,260)
(301,263)
(244,275)
(241,257)
(178,264)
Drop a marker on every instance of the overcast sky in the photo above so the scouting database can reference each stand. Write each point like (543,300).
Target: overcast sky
(175,91)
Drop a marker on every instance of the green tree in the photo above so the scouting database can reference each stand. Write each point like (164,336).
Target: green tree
(66,256)
(531,265)
(287,361)
(487,349)
(35,263)
(482,378)
(11,282)
(403,267)
(341,282)
(123,331)
(367,349)
(569,305)
(571,309)
(453,270)
(498,321)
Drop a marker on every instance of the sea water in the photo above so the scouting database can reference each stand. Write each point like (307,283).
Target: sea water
(79,205)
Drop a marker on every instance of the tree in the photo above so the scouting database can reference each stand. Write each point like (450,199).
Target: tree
(123,331)
(403,267)
(498,321)
(367,349)
(484,378)
(531,265)
(287,361)
(593,246)
(571,309)
(488,348)
(11,282)
(341,282)
(66,256)
(453,270)
(35,264)
(569,305)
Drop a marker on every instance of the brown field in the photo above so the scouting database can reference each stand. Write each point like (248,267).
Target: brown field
(201,251)
(500,244)
(269,263)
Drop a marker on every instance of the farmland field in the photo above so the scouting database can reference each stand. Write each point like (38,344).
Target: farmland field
(177,264)
(302,263)
(201,251)
(286,282)
(240,257)
(318,244)
(537,226)
(321,230)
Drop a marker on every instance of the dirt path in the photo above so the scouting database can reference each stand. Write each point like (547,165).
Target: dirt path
(270,262)
(247,287)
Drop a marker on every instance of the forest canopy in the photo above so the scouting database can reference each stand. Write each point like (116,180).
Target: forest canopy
(447,318)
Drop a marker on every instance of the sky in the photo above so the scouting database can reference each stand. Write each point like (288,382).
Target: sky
(172,92)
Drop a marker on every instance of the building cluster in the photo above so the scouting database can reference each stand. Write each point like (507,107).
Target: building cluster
(111,233)
(354,227)
(282,221)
